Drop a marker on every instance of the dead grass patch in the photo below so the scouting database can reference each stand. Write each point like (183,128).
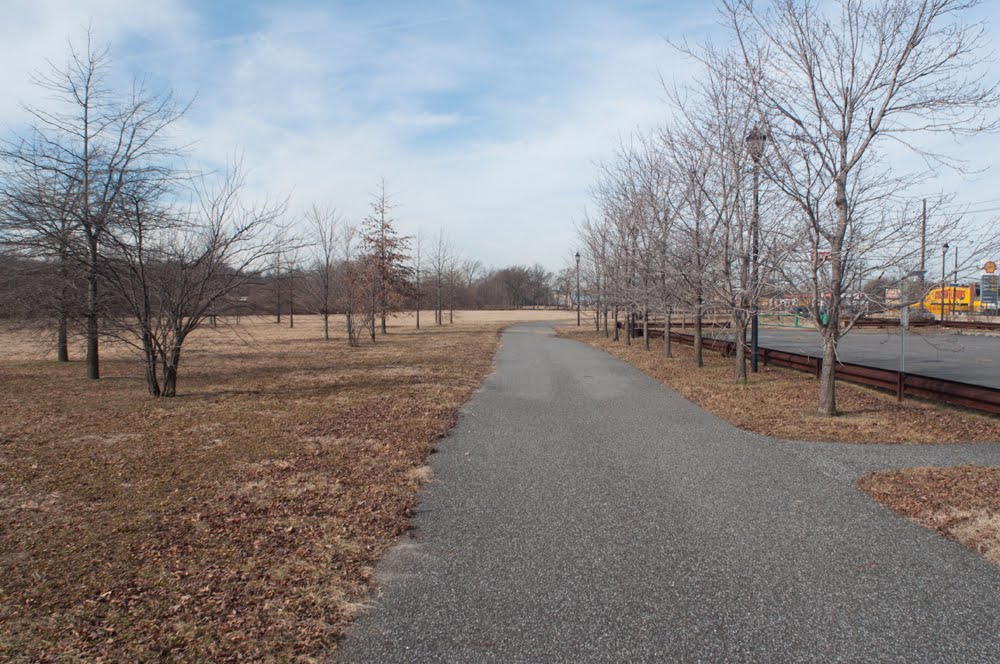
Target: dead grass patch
(782,403)
(962,503)
(239,520)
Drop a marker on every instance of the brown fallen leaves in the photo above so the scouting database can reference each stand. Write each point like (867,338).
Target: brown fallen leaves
(962,503)
(239,520)
(782,403)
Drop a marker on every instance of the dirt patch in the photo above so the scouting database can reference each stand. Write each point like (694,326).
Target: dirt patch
(962,503)
(239,520)
(782,403)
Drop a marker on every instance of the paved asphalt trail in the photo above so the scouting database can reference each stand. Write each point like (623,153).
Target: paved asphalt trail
(581,512)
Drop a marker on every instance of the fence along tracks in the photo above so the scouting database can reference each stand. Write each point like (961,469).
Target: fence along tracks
(967,395)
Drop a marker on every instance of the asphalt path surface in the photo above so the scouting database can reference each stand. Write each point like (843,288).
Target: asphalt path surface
(580,511)
(963,357)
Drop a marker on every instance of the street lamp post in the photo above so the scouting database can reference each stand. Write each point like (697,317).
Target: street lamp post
(944,254)
(755,140)
(954,281)
(578,289)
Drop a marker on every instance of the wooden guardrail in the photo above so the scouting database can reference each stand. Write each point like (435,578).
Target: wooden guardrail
(967,395)
(953,324)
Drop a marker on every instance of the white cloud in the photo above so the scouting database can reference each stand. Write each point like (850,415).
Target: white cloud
(483,125)
(503,172)
(39,30)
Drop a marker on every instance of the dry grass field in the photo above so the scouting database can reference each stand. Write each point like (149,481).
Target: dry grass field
(239,520)
(782,403)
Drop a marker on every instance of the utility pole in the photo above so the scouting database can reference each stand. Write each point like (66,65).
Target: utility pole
(923,235)
(944,254)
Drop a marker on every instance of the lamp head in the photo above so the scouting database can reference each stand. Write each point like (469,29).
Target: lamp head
(756,140)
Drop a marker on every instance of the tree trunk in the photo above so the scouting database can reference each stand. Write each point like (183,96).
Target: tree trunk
(169,381)
(382,314)
(831,332)
(616,323)
(149,355)
(605,322)
(326,325)
(628,329)
(62,338)
(645,330)
(667,349)
(170,372)
(438,314)
(740,341)
(277,304)
(93,361)
(827,376)
(62,326)
(698,359)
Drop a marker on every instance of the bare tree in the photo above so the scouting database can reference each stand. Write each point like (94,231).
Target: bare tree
(89,149)
(417,291)
(471,269)
(326,226)
(695,252)
(388,252)
(276,275)
(442,259)
(36,223)
(357,274)
(171,268)
(832,85)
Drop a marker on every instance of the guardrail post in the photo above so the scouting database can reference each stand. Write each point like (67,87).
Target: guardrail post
(819,367)
(900,385)
(764,351)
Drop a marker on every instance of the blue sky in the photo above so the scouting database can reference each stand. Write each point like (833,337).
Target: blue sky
(485,118)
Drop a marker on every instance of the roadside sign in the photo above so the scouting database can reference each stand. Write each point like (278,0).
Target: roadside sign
(989,292)
(990,267)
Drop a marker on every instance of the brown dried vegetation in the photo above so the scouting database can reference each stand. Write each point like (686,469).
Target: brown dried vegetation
(782,403)
(961,503)
(237,521)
